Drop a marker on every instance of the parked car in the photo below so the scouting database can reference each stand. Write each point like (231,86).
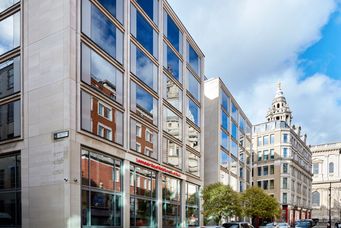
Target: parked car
(283,225)
(304,223)
(237,225)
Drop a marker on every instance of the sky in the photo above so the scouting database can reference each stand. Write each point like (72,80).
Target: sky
(252,45)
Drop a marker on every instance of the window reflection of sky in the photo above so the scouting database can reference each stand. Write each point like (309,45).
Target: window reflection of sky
(148,7)
(193,59)
(144,33)
(193,112)
(10,33)
(193,86)
(113,6)
(144,99)
(103,32)
(173,33)
(4,4)
(145,68)
(173,64)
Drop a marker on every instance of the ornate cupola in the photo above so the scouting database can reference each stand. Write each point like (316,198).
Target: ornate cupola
(279,109)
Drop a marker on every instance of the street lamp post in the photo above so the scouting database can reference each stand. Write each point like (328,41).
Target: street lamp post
(330,204)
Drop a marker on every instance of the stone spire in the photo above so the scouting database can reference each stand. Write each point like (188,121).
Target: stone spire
(279,109)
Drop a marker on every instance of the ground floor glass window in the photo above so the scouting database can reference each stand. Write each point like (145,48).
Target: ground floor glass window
(192,205)
(171,202)
(101,190)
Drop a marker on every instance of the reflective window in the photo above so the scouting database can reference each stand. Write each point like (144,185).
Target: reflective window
(315,168)
(193,86)
(172,32)
(171,202)
(151,8)
(265,140)
(272,139)
(172,123)
(143,103)
(143,139)
(233,166)
(10,120)
(259,141)
(115,8)
(101,190)
(234,148)
(102,31)
(225,159)
(234,131)
(331,167)
(272,154)
(5,4)
(143,210)
(10,77)
(193,138)
(172,153)
(285,152)
(192,164)
(193,59)
(10,190)
(265,170)
(10,33)
(242,124)
(260,154)
(285,138)
(315,199)
(192,205)
(101,75)
(285,168)
(143,67)
(95,122)
(265,155)
(272,169)
(234,112)
(193,112)
(225,121)
(172,93)
(143,32)
(225,140)
(224,101)
(172,63)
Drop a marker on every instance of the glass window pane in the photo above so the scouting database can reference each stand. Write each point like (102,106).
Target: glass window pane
(234,148)
(151,8)
(172,153)
(234,112)
(143,139)
(9,205)
(172,93)
(102,31)
(101,75)
(10,33)
(225,159)
(143,67)
(172,32)
(105,209)
(193,164)
(101,119)
(143,32)
(225,101)
(172,63)
(10,120)
(234,130)
(115,7)
(193,86)
(225,121)
(193,112)
(10,77)
(5,4)
(170,189)
(172,123)
(193,139)
(225,140)
(143,103)
(142,213)
(193,59)
(101,171)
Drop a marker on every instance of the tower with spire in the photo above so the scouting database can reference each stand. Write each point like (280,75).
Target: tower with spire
(279,109)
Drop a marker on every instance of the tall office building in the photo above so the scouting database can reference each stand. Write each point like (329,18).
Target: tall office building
(227,138)
(326,173)
(101,115)
(282,161)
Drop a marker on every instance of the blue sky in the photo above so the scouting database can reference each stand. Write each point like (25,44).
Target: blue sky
(252,45)
(325,55)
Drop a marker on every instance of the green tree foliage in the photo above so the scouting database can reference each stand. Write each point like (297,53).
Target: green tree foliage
(220,201)
(258,204)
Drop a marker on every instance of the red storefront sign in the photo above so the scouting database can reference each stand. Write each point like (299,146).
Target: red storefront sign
(157,167)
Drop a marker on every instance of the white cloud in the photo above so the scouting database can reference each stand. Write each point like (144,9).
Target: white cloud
(253,44)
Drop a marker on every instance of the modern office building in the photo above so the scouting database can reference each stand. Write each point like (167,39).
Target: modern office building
(282,161)
(227,138)
(326,173)
(101,115)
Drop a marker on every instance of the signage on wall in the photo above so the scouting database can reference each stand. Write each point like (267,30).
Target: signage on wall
(157,167)
(60,135)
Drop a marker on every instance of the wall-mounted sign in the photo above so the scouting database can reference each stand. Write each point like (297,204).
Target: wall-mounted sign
(157,167)
(61,135)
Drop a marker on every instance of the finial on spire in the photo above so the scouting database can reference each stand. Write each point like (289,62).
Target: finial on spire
(279,92)
(279,85)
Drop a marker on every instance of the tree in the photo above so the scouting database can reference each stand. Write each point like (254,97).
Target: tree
(220,201)
(258,204)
